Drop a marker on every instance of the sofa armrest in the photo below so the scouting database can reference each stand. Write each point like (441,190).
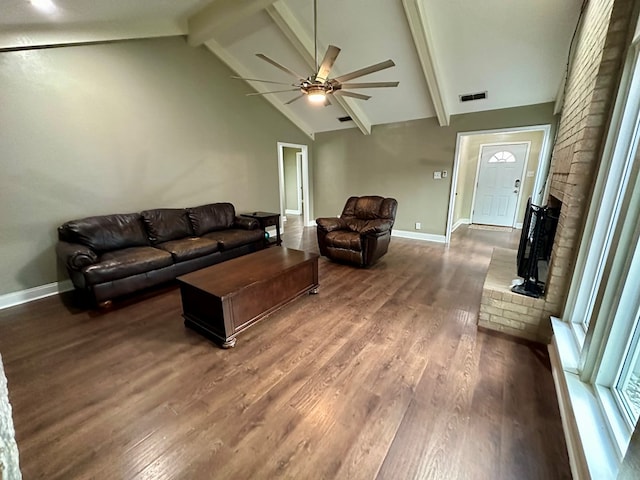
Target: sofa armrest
(246,223)
(329,224)
(376,227)
(75,256)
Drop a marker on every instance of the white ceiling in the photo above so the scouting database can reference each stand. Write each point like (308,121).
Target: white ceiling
(516,50)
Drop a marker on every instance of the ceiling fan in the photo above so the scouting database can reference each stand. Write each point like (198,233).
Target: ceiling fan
(318,86)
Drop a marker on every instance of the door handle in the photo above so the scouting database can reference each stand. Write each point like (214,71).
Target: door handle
(517,184)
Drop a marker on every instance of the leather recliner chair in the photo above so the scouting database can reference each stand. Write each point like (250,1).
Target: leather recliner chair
(361,234)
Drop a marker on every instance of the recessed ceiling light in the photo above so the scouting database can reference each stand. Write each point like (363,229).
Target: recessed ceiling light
(46,6)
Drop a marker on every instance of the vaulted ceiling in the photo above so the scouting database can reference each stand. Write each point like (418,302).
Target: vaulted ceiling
(515,50)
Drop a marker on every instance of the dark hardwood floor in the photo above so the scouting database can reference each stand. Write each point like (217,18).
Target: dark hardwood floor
(382,375)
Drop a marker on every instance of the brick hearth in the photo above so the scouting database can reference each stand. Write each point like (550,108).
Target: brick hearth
(503,310)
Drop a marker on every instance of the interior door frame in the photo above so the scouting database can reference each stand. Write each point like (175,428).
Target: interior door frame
(544,161)
(299,193)
(304,150)
(524,169)
(298,187)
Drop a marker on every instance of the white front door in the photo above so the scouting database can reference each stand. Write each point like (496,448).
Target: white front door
(498,183)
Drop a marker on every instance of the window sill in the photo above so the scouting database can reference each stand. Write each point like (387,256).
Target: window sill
(592,452)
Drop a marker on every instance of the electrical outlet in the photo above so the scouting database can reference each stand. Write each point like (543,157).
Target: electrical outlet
(444,174)
(418,225)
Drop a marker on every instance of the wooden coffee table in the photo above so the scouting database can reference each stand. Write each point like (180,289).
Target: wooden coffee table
(223,300)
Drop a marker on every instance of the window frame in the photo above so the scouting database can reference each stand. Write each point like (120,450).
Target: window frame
(619,312)
(606,279)
(611,183)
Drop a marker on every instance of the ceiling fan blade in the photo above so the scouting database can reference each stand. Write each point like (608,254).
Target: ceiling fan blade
(281,67)
(259,80)
(276,91)
(364,71)
(294,99)
(344,93)
(327,63)
(369,85)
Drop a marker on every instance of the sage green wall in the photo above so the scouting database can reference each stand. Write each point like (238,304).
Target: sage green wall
(469,154)
(399,159)
(121,127)
(290,182)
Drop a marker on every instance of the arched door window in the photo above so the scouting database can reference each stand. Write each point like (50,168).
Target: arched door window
(502,157)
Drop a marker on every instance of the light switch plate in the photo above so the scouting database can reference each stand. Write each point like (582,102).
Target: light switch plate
(437,175)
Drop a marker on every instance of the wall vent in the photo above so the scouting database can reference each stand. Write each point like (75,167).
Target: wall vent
(345,119)
(470,97)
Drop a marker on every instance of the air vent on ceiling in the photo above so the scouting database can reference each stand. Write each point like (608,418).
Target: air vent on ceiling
(469,97)
(345,119)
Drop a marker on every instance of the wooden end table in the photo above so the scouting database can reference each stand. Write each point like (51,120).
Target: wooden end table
(267,219)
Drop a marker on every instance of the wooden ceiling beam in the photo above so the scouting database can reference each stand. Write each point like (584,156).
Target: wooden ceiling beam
(421,34)
(219,15)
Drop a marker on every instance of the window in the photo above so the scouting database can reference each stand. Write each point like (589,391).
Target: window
(615,359)
(502,157)
(603,305)
(627,385)
(607,202)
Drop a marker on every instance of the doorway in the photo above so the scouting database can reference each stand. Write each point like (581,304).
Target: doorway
(293,195)
(498,181)
(293,175)
(465,168)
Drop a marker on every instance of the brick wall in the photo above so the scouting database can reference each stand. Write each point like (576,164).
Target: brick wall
(594,75)
(500,308)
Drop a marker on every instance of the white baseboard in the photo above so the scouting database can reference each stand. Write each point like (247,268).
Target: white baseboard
(459,223)
(427,237)
(292,212)
(518,226)
(29,295)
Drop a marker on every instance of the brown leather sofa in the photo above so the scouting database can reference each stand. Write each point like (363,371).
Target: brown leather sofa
(361,234)
(112,255)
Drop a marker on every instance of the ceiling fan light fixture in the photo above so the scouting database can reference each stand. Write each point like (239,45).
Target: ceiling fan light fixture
(316,94)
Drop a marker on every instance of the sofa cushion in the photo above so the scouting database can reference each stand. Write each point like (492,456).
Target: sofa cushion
(344,239)
(105,233)
(126,262)
(211,217)
(233,237)
(164,224)
(188,248)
